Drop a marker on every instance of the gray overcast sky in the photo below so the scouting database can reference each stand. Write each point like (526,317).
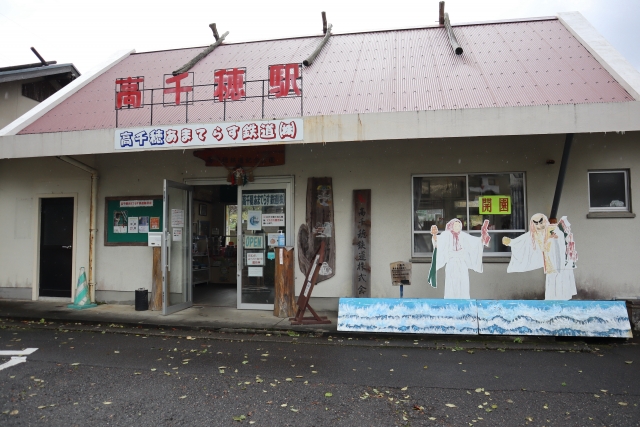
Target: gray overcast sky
(87,32)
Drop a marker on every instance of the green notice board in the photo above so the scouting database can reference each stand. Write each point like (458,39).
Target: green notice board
(128,220)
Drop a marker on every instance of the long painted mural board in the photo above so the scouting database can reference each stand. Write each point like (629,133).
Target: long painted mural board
(408,315)
(554,318)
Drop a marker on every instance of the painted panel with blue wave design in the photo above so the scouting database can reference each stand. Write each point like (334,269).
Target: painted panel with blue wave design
(418,316)
(554,318)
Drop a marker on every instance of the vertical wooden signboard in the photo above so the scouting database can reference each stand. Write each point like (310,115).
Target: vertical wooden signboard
(319,228)
(362,243)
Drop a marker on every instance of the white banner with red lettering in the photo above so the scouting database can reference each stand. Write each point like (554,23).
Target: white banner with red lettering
(199,134)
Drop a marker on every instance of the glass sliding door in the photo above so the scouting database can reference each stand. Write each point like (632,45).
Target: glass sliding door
(176,248)
(265,218)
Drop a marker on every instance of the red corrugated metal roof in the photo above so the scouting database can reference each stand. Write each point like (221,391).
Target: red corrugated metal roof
(503,64)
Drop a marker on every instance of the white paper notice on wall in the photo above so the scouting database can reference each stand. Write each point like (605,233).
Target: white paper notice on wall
(273,220)
(177,218)
(176,235)
(133,224)
(143,224)
(253,220)
(255,272)
(255,258)
(281,261)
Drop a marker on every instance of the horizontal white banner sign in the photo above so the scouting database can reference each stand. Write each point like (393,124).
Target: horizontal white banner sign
(199,134)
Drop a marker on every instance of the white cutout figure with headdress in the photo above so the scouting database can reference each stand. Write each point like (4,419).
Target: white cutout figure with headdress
(548,246)
(460,252)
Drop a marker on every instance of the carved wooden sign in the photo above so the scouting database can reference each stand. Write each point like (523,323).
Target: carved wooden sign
(245,157)
(319,227)
(362,243)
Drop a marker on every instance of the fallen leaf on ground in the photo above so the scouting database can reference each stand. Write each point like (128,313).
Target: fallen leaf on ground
(622,403)
(107,403)
(628,362)
(239,418)
(328,394)
(284,405)
(404,388)
(450,405)
(182,397)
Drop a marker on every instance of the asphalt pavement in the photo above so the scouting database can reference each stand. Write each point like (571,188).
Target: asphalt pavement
(110,374)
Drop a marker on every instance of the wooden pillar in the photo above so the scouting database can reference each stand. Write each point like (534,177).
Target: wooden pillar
(156,281)
(284,304)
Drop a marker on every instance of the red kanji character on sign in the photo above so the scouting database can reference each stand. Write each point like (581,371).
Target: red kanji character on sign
(250,131)
(171,136)
(232,131)
(268,130)
(186,135)
(283,79)
(504,204)
(129,93)
(202,134)
(486,204)
(178,89)
(229,84)
(217,133)
(288,130)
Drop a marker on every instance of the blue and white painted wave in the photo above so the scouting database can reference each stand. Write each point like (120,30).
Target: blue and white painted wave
(554,318)
(419,316)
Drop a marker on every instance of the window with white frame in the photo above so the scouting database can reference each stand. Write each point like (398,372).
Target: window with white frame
(609,191)
(472,198)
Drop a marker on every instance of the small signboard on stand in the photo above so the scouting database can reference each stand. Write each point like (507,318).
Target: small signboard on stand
(400,274)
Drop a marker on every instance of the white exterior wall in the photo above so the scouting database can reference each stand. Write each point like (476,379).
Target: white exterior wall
(22,183)
(12,103)
(386,168)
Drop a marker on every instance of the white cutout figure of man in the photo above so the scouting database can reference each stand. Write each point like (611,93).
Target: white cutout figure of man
(460,252)
(548,246)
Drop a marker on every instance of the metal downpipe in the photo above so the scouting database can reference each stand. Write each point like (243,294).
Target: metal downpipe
(92,221)
(561,174)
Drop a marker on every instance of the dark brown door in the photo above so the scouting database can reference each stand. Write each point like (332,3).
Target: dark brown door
(56,246)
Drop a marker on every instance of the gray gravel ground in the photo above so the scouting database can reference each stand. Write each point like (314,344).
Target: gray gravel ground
(162,378)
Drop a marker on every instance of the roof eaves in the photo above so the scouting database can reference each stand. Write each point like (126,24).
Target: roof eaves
(54,100)
(603,52)
(31,73)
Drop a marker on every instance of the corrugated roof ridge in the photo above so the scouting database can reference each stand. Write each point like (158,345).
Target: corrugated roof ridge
(372,31)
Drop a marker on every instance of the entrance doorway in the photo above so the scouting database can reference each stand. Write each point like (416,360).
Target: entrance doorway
(214,223)
(233,260)
(56,247)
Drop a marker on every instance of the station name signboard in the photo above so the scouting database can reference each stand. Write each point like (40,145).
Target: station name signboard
(199,134)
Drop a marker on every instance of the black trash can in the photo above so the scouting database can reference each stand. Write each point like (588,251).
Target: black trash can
(142,299)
